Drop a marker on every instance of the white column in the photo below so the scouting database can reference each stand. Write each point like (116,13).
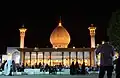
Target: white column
(92,42)
(21,41)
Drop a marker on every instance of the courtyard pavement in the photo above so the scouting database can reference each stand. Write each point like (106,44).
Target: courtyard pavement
(55,76)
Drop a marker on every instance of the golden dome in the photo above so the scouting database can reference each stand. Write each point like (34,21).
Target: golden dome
(60,38)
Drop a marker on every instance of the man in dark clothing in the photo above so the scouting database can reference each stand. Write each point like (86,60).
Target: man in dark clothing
(83,71)
(106,61)
(77,68)
(60,67)
(72,69)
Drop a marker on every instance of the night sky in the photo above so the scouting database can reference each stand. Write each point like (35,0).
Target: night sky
(42,20)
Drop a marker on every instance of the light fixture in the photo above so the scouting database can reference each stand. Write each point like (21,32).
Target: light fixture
(73,47)
(55,47)
(103,42)
(36,49)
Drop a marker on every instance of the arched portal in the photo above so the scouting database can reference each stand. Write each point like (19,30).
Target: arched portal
(16,56)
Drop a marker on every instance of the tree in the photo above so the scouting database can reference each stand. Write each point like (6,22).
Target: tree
(114,30)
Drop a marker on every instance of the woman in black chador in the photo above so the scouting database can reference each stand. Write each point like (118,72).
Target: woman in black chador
(13,67)
(72,69)
(2,66)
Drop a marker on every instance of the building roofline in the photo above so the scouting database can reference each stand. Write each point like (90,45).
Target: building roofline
(54,49)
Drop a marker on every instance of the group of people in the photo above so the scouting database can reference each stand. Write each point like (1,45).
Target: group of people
(106,63)
(107,52)
(8,67)
(75,69)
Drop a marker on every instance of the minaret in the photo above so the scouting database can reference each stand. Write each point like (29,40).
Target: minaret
(92,34)
(22,36)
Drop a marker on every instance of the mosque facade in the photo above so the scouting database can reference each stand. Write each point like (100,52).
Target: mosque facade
(59,53)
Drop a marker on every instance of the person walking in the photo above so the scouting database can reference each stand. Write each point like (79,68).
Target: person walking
(106,60)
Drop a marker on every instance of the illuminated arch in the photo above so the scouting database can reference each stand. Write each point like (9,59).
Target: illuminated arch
(16,56)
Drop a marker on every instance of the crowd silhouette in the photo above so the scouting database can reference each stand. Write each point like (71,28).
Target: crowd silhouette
(75,69)
(106,64)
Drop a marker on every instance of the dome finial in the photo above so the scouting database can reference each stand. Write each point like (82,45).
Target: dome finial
(23,25)
(92,25)
(60,22)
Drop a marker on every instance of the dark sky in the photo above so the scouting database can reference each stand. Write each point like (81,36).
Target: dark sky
(41,21)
